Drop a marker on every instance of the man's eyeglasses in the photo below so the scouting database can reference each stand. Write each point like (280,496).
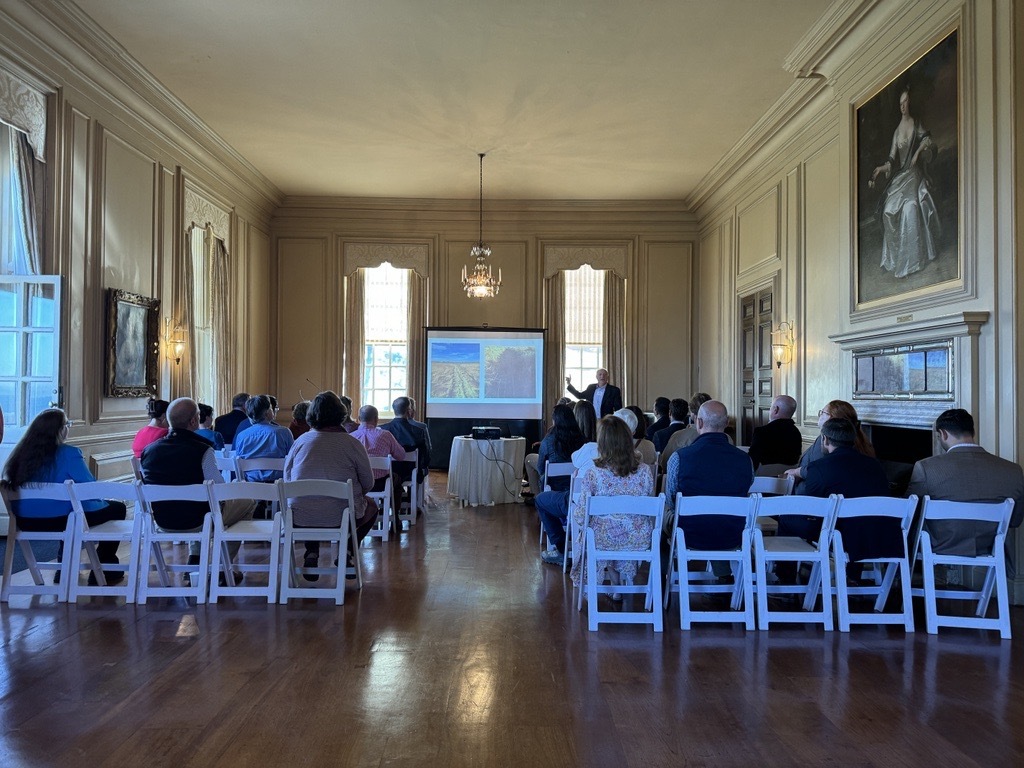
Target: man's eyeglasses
(823,412)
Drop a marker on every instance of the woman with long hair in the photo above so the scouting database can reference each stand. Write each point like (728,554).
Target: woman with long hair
(586,419)
(558,446)
(836,409)
(43,456)
(617,471)
(156,429)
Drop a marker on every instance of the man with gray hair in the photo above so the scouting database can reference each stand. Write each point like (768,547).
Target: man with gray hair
(185,458)
(778,441)
(410,436)
(709,466)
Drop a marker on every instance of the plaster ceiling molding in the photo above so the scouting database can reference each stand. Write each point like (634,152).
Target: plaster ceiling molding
(25,109)
(814,55)
(201,212)
(399,255)
(568,257)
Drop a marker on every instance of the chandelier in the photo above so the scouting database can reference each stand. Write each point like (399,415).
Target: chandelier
(479,282)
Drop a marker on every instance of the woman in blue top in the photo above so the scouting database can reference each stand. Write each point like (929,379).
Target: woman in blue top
(206,426)
(42,456)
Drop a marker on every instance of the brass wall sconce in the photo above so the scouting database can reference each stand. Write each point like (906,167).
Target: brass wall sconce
(782,344)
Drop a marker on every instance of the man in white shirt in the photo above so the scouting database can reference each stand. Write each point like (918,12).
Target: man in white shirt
(606,398)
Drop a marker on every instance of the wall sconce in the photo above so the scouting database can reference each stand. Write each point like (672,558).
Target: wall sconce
(174,341)
(782,344)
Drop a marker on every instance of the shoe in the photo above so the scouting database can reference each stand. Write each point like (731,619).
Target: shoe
(223,582)
(311,561)
(552,556)
(113,578)
(192,560)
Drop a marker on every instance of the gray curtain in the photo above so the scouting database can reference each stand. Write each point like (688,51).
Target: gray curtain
(416,372)
(554,343)
(219,312)
(614,331)
(353,378)
(29,177)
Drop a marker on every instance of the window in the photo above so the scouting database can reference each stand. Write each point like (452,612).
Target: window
(385,337)
(584,324)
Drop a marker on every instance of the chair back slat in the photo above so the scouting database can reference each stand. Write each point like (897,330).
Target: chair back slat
(773,486)
(104,490)
(264,464)
(38,492)
(998,513)
(733,506)
(244,490)
(878,506)
(380,462)
(557,469)
(154,493)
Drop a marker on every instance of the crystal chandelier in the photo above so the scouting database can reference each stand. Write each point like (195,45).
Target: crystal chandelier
(479,282)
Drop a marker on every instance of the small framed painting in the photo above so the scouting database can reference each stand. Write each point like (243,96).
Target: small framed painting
(133,344)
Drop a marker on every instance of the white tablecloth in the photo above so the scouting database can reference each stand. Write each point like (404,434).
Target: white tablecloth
(486,471)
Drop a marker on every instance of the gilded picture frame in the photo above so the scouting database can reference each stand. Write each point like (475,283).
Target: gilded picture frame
(133,344)
(907,223)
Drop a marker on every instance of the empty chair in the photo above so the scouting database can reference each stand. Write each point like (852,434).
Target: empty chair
(901,510)
(15,536)
(153,538)
(994,564)
(792,549)
(680,579)
(86,538)
(244,531)
(337,537)
(383,499)
(553,469)
(603,506)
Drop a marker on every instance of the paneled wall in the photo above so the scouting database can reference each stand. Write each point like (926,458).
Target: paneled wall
(309,237)
(119,153)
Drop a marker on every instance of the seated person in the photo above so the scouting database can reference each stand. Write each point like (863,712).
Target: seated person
(227,424)
(553,506)
(412,437)
(351,425)
(617,471)
(265,439)
(379,443)
(328,452)
(43,456)
(661,417)
(679,411)
(156,429)
(206,429)
(184,458)
(778,441)
(299,425)
(648,454)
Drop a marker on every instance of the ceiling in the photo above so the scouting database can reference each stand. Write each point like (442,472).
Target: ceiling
(570,99)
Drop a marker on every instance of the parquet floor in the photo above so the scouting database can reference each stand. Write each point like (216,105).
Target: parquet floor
(463,649)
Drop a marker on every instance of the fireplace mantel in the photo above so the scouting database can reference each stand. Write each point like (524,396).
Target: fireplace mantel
(935,329)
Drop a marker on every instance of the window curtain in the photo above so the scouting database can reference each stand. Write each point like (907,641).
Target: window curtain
(219,311)
(554,344)
(28,176)
(614,330)
(186,317)
(353,379)
(416,372)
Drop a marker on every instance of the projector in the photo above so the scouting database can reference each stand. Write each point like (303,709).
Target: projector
(486,433)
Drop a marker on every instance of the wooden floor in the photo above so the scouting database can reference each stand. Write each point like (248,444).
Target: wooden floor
(463,649)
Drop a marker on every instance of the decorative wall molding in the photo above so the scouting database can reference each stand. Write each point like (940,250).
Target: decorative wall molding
(565,257)
(808,58)
(24,108)
(363,255)
(201,212)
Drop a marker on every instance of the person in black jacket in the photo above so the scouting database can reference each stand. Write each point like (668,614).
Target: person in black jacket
(606,398)
(778,441)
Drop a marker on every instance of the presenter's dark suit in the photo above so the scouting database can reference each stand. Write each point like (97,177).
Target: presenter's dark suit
(848,472)
(710,466)
(968,473)
(611,402)
(777,442)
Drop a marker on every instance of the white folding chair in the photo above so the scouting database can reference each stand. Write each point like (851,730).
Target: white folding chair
(574,499)
(153,539)
(413,492)
(680,579)
(773,486)
(553,469)
(793,549)
(605,506)
(41,492)
(86,538)
(874,506)
(137,468)
(383,499)
(226,465)
(244,531)
(994,564)
(337,537)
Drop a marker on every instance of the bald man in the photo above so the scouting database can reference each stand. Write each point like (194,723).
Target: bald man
(606,398)
(778,441)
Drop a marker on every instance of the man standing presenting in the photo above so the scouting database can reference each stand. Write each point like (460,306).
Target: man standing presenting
(606,398)
(966,472)
(778,441)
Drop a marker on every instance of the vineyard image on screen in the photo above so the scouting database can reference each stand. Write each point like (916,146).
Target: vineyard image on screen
(510,372)
(455,372)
